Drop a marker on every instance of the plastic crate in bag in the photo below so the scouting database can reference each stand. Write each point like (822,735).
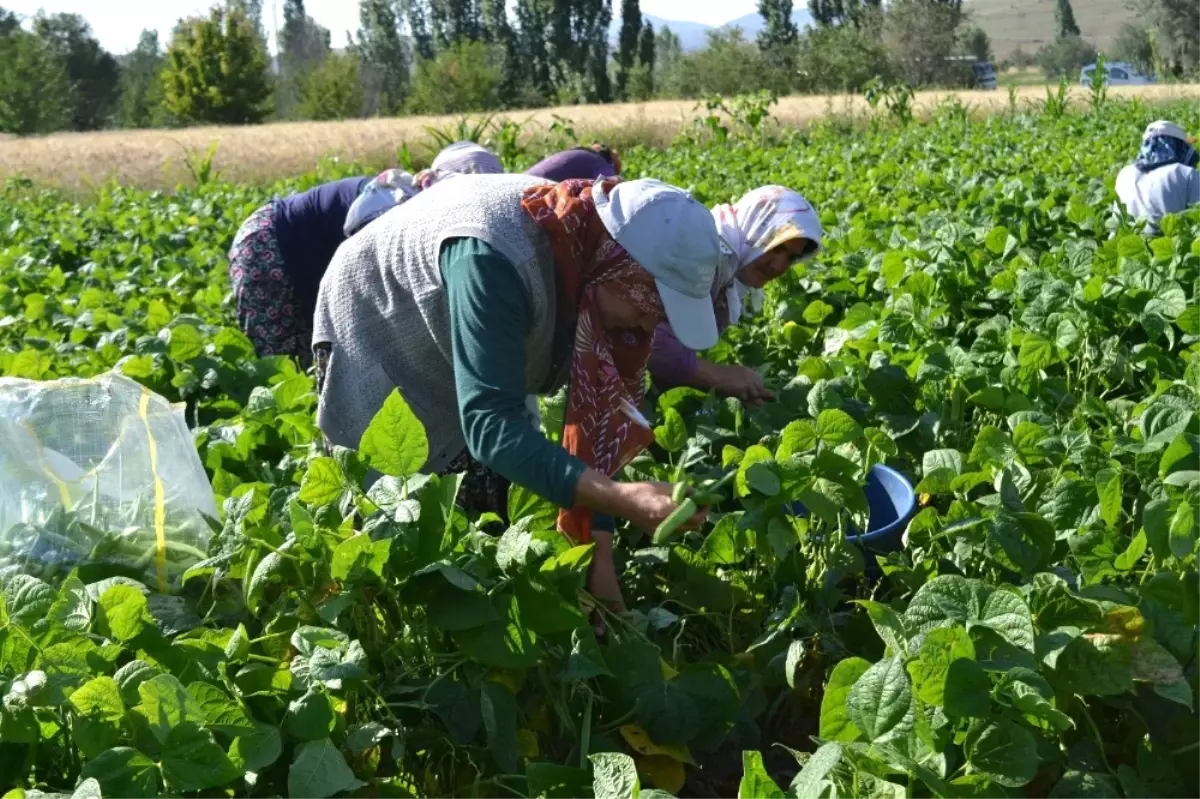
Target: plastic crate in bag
(99,471)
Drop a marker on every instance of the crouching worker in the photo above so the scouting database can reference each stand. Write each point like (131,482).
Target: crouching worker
(1163,179)
(579,163)
(282,250)
(471,297)
(767,232)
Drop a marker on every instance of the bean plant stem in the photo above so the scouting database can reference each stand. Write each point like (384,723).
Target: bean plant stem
(1095,733)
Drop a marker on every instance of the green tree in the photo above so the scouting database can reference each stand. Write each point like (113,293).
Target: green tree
(34,91)
(578,48)
(668,54)
(839,12)
(641,79)
(599,82)
(919,37)
(216,71)
(727,65)
(417,12)
(1173,25)
(1065,57)
(1135,46)
(303,47)
(498,32)
(779,32)
(463,77)
(141,88)
(384,62)
(9,22)
(777,41)
(1064,20)
(333,90)
(252,10)
(628,39)
(974,41)
(453,21)
(533,45)
(840,58)
(91,70)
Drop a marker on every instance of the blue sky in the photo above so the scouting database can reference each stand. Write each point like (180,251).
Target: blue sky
(118,23)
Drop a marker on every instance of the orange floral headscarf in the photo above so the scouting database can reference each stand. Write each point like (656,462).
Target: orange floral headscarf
(607,367)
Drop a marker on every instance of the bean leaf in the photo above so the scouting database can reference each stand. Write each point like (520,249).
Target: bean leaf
(394,443)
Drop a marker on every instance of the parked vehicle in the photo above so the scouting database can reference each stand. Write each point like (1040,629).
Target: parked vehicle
(966,72)
(1119,74)
(985,75)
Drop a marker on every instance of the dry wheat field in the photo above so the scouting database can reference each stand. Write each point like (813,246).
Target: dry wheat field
(263,153)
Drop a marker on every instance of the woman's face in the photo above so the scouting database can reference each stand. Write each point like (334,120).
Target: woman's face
(618,314)
(774,262)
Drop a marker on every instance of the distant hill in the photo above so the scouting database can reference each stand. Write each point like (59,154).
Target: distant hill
(751,24)
(694,35)
(1029,24)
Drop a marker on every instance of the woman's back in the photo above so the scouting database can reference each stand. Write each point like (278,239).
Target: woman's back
(1152,195)
(309,229)
(383,307)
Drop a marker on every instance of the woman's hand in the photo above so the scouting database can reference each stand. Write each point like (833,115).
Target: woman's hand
(733,381)
(602,582)
(648,505)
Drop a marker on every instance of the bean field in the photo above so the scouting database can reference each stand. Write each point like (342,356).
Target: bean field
(981,320)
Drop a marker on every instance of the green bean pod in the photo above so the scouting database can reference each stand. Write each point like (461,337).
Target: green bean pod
(666,530)
(710,487)
(679,493)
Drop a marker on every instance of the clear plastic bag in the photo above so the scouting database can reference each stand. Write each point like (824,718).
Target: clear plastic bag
(99,472)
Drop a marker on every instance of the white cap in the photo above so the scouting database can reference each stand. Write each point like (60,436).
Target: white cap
(467,157)
(1165,128)
(672,237)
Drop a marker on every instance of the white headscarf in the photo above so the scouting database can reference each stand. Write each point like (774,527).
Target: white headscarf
(465,158)
(762,220)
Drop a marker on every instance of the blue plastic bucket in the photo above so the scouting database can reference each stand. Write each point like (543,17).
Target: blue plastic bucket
(891,502)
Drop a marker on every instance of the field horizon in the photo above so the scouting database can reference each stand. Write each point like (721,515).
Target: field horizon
(158,159)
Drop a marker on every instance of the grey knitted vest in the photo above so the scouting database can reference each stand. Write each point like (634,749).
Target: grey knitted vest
(383,308)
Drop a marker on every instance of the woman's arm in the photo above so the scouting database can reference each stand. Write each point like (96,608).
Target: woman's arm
(490,320)
(672,364)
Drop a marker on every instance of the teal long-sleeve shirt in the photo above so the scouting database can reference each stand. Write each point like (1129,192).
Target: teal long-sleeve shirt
(490,318)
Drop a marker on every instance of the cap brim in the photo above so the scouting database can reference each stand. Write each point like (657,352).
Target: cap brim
(692,319)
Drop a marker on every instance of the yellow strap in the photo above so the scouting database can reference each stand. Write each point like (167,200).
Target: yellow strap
(64,493)
(160,511)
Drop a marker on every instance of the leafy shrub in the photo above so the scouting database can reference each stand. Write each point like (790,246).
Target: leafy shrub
(216,71)
(728,65)
(1065,57)
(334,89)
(465,77)
(34,91)
(841,58)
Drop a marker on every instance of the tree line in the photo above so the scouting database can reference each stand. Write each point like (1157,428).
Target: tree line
(454,56)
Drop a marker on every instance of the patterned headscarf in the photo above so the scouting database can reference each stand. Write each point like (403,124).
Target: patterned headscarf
(1160,151)
(395,186)
(762,220)
(382,193)
(607,383)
